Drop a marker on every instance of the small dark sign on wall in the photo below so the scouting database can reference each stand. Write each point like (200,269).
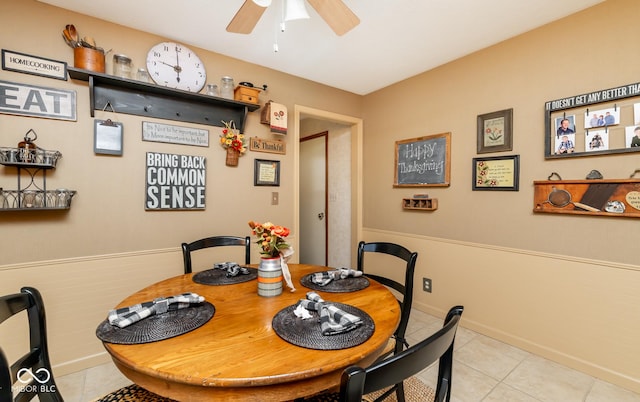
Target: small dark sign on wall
(423,161)
(175,181)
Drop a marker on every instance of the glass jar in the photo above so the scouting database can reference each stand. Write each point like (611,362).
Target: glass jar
(62,198)
(121,66)
(226,87)
(212,90)
(3,200)
(142,75)
(28,199)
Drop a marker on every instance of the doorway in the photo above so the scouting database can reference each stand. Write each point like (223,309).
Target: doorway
(341,243)
(313,199)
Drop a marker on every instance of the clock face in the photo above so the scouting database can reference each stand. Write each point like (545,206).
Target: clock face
(176,66)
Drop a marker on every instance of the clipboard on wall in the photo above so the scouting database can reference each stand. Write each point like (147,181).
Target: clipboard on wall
(107,137)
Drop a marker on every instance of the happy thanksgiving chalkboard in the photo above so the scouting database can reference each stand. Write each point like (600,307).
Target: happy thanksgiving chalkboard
(423,161)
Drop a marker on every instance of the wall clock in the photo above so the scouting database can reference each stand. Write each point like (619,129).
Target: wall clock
(176,66)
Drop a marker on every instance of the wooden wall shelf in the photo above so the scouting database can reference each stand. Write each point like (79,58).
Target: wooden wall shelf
(420,204)
(121,95)
(600,194)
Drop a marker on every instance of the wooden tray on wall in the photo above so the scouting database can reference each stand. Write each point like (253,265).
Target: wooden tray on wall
(594,193)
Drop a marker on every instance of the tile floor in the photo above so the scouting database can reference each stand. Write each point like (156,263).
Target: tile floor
(484,370)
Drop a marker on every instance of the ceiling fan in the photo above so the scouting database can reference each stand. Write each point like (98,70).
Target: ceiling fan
(334,12)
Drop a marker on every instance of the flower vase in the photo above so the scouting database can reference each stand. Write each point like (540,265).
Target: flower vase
(270,277)
(232,157)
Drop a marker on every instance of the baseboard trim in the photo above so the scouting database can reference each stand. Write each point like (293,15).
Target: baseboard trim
(73,366)
(554,355)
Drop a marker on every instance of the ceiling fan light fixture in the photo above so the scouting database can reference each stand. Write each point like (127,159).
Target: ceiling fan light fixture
(295,10)
(262,3)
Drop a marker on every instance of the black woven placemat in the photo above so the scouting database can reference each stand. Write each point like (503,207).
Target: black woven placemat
(345,285)
(216,276)
(307,333)
(157,327)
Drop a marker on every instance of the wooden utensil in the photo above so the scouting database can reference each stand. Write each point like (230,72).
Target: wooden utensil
(72,32)
(67,38)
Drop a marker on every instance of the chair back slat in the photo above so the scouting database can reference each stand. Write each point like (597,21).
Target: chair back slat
(405,289)
(34,368)
(357,381)
(214,241)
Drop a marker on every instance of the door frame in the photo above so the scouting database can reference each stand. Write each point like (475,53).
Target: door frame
(356,126)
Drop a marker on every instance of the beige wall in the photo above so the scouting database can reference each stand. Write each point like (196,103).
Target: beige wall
(106,246)
(562,286)
(108,213)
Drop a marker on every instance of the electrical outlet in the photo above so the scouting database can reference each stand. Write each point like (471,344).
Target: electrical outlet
(426,285)
(274,198)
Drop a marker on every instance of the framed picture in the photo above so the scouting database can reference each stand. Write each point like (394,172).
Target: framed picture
(266,173)
(594,123)
(500,173)
(107,137)
(423,161)
(495,131)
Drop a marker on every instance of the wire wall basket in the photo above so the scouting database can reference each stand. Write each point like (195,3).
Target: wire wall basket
(29,157)
(35,199)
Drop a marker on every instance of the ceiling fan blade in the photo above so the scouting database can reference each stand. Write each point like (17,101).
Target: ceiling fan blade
(246,18)
(336,14)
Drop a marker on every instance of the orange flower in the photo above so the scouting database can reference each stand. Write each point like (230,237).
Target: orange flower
(280,231)
(270,237)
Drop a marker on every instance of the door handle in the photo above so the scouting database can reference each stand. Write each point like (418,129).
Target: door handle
(321,216)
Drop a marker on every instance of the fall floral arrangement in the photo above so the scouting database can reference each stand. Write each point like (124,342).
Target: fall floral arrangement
(231,138)
(271,238)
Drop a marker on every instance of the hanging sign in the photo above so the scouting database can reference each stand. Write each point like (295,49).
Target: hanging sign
(36,101)
(24,63)
(272,147)
(175,181)
(160,132)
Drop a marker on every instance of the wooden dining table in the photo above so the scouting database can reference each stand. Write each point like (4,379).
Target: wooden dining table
(237,355)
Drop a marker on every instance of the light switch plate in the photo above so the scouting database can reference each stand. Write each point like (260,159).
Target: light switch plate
(274,198)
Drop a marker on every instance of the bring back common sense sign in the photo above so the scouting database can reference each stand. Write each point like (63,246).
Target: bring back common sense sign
(175,181)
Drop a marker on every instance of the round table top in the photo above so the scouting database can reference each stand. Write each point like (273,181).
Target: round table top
(237,355)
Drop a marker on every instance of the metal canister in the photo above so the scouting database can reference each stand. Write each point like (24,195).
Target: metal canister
(27,149)
(269,277)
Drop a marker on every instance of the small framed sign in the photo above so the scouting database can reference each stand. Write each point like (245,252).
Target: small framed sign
(496,173)
(107,137)
(266,173)
(495,131)
(24,63)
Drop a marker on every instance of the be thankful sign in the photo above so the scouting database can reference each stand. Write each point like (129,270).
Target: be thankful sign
(272,147)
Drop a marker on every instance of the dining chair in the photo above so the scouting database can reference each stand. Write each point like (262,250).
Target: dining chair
(31,375)
(398,341)
(356,381)
(405,289)
(215,241)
